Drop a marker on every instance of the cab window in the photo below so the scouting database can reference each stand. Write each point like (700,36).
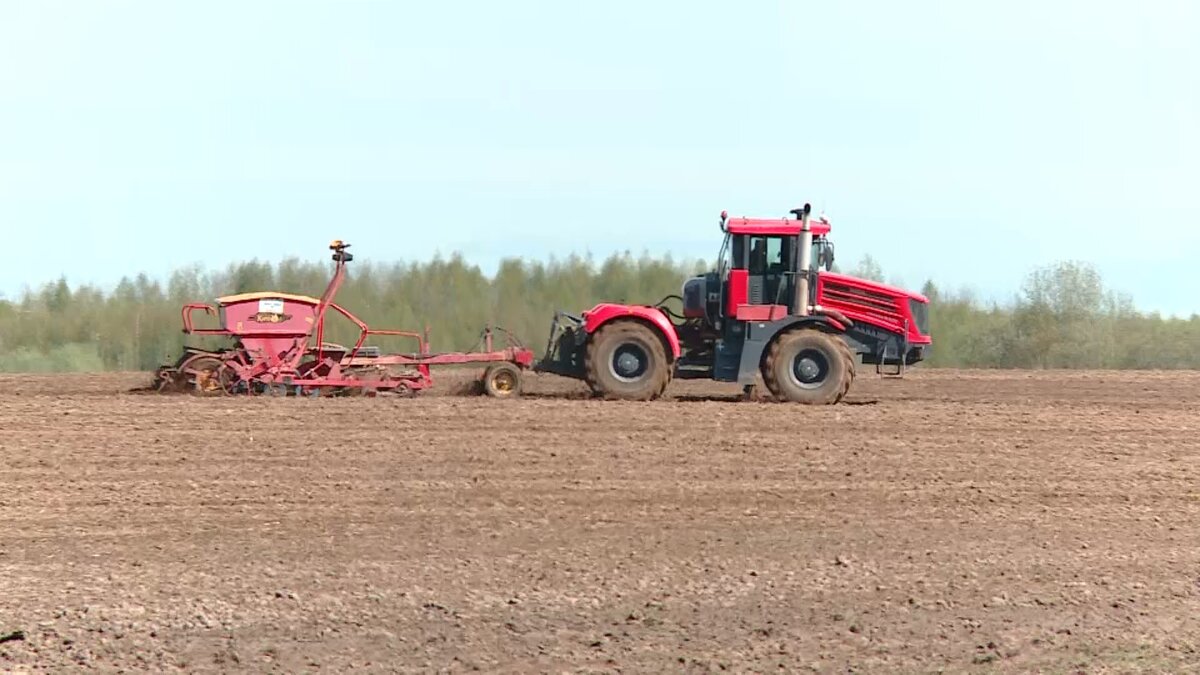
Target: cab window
(766,255)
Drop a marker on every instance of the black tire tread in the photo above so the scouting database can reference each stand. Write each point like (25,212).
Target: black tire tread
(771,363)
(652,390)
(851,365)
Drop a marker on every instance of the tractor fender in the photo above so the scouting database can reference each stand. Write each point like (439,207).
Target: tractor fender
(760,334)
(605,313)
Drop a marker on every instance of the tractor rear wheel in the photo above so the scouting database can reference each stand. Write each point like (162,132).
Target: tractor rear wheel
(809,366)
(502,380)
(626,360)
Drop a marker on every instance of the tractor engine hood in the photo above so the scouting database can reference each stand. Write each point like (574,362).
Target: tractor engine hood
(875,286)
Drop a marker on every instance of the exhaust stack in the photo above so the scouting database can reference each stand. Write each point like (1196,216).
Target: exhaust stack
(803,262)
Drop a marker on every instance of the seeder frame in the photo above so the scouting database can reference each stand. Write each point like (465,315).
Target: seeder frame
(272,354)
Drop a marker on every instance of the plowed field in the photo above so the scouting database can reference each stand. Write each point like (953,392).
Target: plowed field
(957,521)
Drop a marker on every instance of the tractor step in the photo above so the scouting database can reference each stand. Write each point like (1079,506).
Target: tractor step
(693,373)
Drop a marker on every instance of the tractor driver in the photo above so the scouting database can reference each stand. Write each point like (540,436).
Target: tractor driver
(758,256)
(758,259)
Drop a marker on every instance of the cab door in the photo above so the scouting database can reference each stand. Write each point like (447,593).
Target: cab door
(768,266)
(759,280)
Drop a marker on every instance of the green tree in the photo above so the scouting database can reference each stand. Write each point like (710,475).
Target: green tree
(868,268)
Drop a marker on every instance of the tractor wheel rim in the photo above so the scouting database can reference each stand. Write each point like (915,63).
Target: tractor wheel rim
(629,362)
(810,368)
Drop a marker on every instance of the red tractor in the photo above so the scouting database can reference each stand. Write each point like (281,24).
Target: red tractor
(769,309)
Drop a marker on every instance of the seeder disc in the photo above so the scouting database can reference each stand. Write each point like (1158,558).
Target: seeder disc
(208,376)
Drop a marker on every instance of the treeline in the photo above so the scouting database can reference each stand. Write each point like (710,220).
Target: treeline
(1063,316)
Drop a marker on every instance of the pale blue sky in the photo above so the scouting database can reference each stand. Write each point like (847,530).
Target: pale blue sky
(961,141)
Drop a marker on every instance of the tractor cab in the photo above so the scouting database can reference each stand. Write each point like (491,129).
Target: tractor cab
(769,256)
(762,264)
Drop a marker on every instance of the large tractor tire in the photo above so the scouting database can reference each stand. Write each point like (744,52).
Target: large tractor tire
(809,366)
(626,360)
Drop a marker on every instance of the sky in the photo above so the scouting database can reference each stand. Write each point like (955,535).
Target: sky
(964,142)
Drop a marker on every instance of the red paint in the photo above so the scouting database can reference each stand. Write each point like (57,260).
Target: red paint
(775,313)
(780,227)
(244,318)
(603,313)
(739,291)
(192,308)
(761,312)
(871,303)
(874,286)
(834,323)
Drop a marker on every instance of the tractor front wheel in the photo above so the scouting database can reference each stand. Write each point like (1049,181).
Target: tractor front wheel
(626,360)
(809,366)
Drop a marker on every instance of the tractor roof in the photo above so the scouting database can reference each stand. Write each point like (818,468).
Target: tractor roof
(775,226)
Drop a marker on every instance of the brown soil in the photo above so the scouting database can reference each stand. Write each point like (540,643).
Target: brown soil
(1001,522)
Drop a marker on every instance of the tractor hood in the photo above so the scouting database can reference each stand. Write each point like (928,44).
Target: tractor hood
(866,284)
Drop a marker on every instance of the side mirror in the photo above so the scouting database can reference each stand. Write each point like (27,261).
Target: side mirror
(826,260)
